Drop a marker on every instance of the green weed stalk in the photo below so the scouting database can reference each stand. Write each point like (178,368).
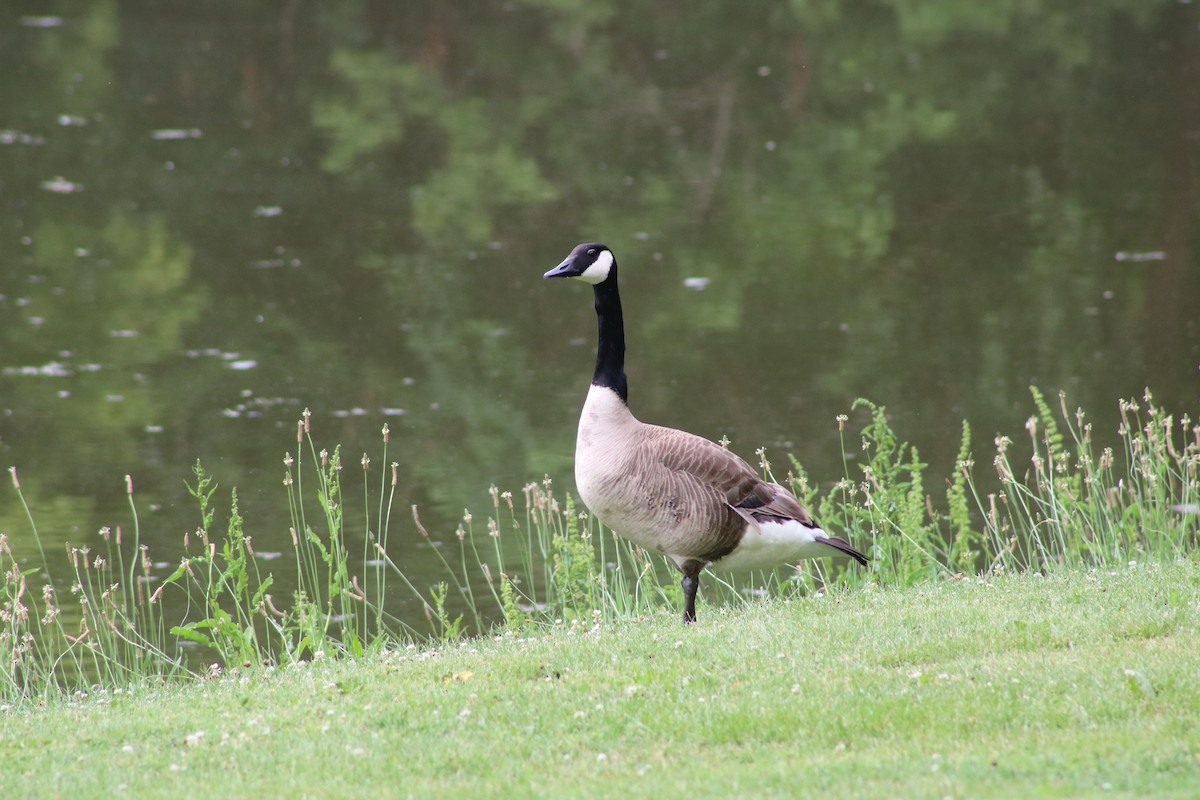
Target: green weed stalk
(1074,503)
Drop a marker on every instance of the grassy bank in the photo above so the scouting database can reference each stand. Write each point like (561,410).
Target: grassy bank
(106,617)
(1076,683)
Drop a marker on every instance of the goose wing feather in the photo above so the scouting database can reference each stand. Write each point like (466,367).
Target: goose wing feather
(713,487)
(702,461)
(772,501)
(722,475)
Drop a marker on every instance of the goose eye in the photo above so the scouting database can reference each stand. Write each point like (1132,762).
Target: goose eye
(592,252)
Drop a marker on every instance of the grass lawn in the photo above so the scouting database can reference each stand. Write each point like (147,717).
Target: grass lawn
(1072,685)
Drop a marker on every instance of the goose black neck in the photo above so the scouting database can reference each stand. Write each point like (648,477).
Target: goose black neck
(610,352)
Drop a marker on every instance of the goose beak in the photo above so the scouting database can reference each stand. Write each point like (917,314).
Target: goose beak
(564,270)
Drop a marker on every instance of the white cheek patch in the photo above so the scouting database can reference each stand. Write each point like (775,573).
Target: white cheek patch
(598,271)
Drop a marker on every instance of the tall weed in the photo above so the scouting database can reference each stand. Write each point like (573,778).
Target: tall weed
(545,561)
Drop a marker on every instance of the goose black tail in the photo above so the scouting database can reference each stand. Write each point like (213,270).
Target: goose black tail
(844,547)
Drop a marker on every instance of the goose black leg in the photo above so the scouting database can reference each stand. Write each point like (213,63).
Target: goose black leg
(690,583)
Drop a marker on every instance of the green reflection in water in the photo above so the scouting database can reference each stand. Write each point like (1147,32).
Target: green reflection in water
(932,204)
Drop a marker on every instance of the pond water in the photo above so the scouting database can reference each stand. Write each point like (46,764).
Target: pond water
(216,215)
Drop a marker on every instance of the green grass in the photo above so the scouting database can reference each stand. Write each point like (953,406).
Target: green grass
(103,623)
(103,619)
(1071,684)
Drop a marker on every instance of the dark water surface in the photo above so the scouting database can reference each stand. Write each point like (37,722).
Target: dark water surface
(214,215)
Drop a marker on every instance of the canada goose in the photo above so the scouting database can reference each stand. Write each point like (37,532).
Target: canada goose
(669,491)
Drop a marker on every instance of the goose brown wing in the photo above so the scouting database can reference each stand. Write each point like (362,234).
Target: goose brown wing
(698,482)
(726,474)
(720,474)
(779,504)
(711,482)
(725,478)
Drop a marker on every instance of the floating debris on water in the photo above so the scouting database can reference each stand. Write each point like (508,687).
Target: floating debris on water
(1148,255)
(208,351)
(696,284)
(16,137)
(253,407)
(66,120)
(32,21)
(124,334)
(243,363)
(167,134)
(54,369)
(358,411)
(61,185)
(268,211)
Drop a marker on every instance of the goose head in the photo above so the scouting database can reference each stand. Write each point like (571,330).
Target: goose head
(590,262)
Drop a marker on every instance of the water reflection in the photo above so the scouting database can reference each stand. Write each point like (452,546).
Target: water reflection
(216,216)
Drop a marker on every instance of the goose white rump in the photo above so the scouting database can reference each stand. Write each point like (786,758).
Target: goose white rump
(766,545)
